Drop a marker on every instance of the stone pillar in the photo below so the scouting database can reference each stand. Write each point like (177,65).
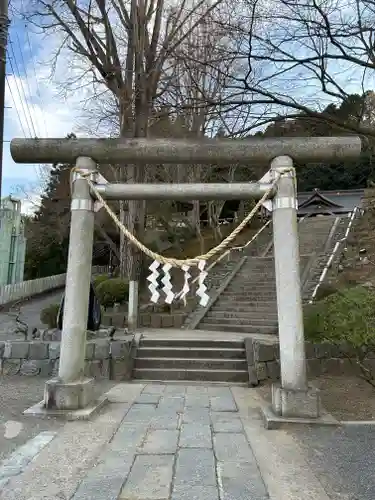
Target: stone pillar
(71,390)
(292,398)
(133,305)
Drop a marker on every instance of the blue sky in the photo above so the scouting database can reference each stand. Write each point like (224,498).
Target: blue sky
(34,107)
(19,59)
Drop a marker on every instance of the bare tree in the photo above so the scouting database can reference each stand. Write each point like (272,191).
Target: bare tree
(198,74)
(298,56)
(124,45)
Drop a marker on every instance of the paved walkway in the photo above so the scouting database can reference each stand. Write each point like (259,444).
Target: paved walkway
(30,314)
(164,442)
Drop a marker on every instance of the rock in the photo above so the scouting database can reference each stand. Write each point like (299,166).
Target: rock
(29,367)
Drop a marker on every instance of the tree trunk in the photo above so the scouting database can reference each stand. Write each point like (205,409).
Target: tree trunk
(137,216)
(197,225)
(125,250)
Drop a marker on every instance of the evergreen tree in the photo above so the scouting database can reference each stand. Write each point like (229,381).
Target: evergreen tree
(350,174)
(48,230)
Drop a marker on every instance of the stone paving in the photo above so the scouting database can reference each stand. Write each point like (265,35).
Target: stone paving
(178,443)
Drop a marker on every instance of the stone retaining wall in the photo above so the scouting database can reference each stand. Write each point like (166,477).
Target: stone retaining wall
(263,359)
(146,319)
(104,358)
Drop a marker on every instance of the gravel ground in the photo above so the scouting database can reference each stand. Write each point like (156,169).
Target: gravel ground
(345,397)
(17,394)
(343,459)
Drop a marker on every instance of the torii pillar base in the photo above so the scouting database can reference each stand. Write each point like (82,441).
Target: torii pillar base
(69,401)
(295,407)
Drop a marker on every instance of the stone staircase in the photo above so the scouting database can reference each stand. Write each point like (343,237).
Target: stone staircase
(322,255)
(248,303)
(220,273)
(245,305)
(194,360)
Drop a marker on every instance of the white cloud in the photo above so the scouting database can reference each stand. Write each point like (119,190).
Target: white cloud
(36,107)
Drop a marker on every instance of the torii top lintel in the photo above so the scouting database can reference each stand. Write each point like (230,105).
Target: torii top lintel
(174,151)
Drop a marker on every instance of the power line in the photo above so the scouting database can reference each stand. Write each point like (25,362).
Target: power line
(36,80)
(20,97)
(21,12)
(15,106)
(25,73)
(4,23)
(25,107)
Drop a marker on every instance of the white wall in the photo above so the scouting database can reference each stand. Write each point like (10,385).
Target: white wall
(25,289)
(10,293)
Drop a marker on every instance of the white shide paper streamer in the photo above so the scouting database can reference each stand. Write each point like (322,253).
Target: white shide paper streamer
(166,280)
(201,291)
(153,279)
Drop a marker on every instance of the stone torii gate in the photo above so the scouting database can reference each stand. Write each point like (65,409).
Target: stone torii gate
(71,391)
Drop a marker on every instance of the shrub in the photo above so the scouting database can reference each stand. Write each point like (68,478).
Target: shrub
(325,290)
(48,315)
(345,319)
(111,291)
(99,279)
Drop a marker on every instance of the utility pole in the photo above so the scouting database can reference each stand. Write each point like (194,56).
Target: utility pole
(4,22)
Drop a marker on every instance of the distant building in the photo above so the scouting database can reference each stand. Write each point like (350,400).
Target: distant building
(317,203)
(12,242)
(337,202)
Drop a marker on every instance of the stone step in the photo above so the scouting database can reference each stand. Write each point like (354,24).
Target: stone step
(224,303)
(257,273)
(213,383)
(174,374)
(193,343)
(251,288)
(232,309)
(206,325)
(258,265)
(261,281)
(239,321)
(249,297)
(267,266)
(191,352)
(190,364)
(253,317)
